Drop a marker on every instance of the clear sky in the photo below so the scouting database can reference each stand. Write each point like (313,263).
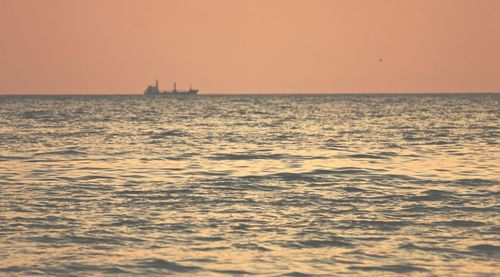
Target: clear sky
(249,46)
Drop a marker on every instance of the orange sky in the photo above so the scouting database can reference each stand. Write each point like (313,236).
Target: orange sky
(244,46)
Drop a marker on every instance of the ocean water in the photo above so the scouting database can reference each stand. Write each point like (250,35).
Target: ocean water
(257,185)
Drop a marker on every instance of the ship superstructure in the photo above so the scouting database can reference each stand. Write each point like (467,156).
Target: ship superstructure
(155,90)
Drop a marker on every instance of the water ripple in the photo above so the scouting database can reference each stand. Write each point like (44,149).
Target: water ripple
(250,185)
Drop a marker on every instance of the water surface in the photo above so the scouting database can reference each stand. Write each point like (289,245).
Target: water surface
(264,185)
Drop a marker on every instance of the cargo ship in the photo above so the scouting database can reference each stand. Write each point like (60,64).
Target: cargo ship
(155,90)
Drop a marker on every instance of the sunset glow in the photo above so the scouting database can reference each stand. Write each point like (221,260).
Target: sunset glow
(271,46)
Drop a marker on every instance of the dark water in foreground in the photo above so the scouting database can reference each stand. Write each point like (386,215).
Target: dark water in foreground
(272,185)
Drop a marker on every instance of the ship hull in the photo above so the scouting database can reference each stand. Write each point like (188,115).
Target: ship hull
(188,93)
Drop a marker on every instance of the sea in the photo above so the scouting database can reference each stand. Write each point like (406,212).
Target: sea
(258,185)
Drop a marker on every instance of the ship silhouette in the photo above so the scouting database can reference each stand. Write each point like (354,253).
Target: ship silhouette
(155,90)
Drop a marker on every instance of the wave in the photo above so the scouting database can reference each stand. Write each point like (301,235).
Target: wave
(367,156)
(475,182)
(169,133)
(37,114)
(432,195)
(487,249)
(257,156)
(13,158)
(68,152)
(248,156)
(319,244)
(462,223)
(233,272)
(391,268)
(164,264)
(385,225)
(251,246)
(411,246)
(297,274)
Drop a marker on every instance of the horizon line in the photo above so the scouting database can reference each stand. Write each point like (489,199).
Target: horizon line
(258,93)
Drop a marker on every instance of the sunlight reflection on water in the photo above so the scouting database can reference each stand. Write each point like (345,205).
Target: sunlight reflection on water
(249,184)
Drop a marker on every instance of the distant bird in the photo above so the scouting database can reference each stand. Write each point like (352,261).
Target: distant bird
(380,60)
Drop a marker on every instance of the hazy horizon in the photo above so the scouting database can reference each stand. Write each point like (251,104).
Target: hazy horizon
(250,47)
(255,93)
